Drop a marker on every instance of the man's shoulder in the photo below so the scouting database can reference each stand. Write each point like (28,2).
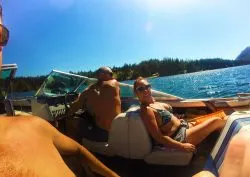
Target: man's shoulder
(41,125)
(33,120)
(112,82)
(26,122)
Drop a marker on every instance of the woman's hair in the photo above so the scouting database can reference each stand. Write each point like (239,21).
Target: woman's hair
(136,82)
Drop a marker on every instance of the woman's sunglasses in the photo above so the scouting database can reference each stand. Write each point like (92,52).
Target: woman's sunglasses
(143,88)
(4,35)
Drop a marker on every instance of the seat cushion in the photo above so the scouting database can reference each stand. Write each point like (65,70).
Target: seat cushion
(128,136)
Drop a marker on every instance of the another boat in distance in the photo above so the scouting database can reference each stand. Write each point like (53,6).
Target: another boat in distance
(154,75)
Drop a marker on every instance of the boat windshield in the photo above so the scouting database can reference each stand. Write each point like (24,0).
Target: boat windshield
(60,83)
(7,73)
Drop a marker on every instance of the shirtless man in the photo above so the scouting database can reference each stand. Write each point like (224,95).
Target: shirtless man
(101,100)
(30,146)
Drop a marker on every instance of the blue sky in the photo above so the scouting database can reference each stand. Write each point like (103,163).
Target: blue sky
(82,35)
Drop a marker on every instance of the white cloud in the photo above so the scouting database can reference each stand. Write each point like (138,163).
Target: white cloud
(62,4)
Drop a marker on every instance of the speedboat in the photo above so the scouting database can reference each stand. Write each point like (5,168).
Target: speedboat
(129,140)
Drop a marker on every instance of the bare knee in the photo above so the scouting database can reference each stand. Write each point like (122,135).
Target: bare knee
(218,123)
(214,124)
(199,132)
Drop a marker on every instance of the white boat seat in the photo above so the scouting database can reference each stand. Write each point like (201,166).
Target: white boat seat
(129,138)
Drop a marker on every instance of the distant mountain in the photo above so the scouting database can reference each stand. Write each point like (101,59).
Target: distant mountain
(244,55)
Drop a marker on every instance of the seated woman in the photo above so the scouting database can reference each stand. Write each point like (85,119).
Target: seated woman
(167,129)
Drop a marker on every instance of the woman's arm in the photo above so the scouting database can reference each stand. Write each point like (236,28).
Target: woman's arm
(149,120)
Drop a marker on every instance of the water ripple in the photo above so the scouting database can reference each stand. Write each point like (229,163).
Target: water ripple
(214,83)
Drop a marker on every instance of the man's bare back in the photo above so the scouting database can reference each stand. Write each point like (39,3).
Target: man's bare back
(102,99)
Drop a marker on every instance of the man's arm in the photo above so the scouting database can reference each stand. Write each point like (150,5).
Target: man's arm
(68,146)
(79,102)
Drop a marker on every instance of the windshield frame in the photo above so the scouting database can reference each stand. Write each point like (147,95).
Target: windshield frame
(7,81)
(41,90)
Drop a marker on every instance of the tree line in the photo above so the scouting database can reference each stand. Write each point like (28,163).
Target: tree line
(148,68)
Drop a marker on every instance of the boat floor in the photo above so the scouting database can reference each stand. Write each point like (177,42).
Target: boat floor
(139,168)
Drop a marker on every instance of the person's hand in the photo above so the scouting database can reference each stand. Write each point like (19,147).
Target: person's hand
(188,147)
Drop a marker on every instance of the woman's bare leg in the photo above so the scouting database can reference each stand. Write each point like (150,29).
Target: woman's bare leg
(196,134)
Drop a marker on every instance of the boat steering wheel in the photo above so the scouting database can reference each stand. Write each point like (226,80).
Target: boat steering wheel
(69,97)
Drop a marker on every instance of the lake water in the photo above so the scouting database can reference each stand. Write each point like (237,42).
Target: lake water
(21,95)
(205,84)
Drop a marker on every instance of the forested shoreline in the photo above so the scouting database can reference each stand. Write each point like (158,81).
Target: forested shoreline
(148,68)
